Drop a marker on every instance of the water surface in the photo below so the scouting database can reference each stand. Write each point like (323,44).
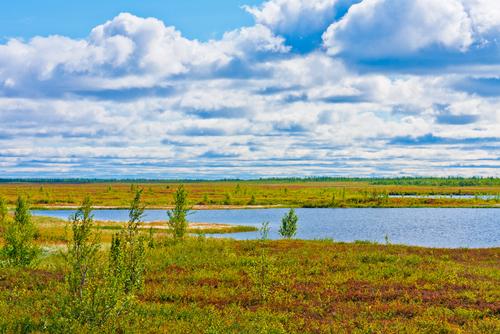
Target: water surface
(429,227)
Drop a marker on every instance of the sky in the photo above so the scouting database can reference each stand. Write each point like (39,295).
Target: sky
(248,89)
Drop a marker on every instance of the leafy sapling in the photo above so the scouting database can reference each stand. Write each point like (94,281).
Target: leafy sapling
(288,227)
(178,215)
(264,231)
(3,211)
(83,248)
(133,247)
(95,293)
(19,236)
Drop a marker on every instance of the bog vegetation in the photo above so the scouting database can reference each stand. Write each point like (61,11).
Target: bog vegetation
(318,192)
(89,280)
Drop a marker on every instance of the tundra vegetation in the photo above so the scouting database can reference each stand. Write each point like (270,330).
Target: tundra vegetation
(316,192)
(87,281)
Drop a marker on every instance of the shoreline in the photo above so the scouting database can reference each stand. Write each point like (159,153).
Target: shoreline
(260,207)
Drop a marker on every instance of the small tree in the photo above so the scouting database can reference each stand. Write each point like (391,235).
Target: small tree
(95,293)
(227,199)
(205,199)
(264,231)
(288,227)
(252,201)
(3,211)
(127,249)
(333,202)
(178,216)
(83,248)
(19,235)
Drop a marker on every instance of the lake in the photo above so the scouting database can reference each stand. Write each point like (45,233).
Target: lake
(428,227)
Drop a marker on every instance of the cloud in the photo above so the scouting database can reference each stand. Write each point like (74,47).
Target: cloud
(294,16)
(377,28)
(301,21)
(442,32)
(136,98)
(430,139)
(125,52)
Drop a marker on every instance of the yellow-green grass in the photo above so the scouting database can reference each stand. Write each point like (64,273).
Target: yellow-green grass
(249,194)
(204,285)
(55,231)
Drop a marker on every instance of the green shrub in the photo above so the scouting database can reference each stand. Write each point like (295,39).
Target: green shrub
(264,231)
(95,294)
(19,236)
(127,250)
(252,200)
(227,199)
(288,227)
(3,211)
(178,216)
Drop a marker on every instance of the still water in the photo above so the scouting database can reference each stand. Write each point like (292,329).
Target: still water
(429,227)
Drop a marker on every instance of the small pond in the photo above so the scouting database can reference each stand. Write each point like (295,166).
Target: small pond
(429,227)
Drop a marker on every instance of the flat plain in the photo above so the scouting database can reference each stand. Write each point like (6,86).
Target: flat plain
(265,193)
(205,285)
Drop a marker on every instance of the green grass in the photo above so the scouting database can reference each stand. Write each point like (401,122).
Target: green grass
(215,230)
(53,230)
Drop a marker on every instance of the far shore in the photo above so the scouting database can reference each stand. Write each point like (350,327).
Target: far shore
(256,207)
(161,207)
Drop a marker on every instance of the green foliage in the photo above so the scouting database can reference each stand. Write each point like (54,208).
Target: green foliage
(127,251)
(19,236)
(205,199)
(264,231)
(252,201)
(333,202)
(95,296)
(178,216)
(227,199)
(151,238)
(288,227)
(82,251)
(3,211)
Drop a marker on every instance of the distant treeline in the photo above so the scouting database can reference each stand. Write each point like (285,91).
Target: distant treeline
(409,181)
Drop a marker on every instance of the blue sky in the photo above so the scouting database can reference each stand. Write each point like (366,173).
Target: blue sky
(190,89)
(195,18)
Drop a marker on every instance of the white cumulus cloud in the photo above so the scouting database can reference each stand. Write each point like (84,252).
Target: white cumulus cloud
(374,29)
(127,51)
(298,16)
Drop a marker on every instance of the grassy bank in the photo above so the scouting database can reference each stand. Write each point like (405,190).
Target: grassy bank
(204,285)
(55,231)
(253,194)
